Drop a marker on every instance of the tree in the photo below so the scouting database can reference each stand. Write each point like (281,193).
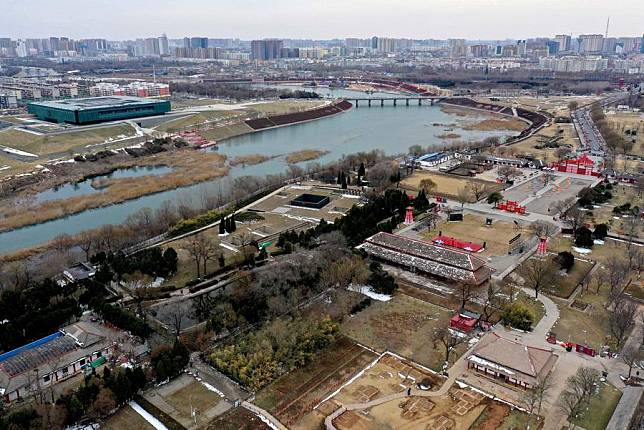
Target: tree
(463,196)
(616,272)
(104,404)
(534,397)
(573,105)
(566,260)
(466,291)
(478,189)
(631,355)
(493,299)
(575,218)
(361,171)
(579,389)
(202,249)
(537,273)
(222,226)
(494,198)
(427,185)
(444,337)
(601,231)
(508,173)
(420,202)
(233,224)
(343,181)
(584,237)
(543,228)
(518,316)
(177,312)
(622,319)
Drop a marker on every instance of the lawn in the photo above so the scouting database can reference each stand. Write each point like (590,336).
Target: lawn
(126,418)
(600,409)
(71,141)
(225,132)
(566,284)
(403,325)
(284,106)
(446,185)
(193,395)
(473,228)
(535,306)
(589,327)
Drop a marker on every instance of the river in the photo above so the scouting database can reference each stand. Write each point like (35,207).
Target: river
(391,129)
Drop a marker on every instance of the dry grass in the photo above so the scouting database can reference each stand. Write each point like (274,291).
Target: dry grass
(622,121)
(126,418)
(446,185)
(449,136)
(473,228)
(195,394)
(248,160)
(189,167)
(402,325)
(304,155)
(285,106)
(186,122)
(225,132)
(492,124)
(66,142)
(547,154)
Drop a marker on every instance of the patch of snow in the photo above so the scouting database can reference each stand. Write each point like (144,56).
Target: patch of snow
(483,362)
(4,168)
(228,247)
(18,152)
(210,388)
(598,242)
(350,196)
(267,422)
(581,250)
(153,421)
(369,292)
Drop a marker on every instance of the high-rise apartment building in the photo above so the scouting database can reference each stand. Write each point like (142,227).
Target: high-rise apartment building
(164,48)
(479,51)
(266,50)
(564,42)
(198,42)
(591,43)
(642,45)
(553,47)
(457,48)
(151,46)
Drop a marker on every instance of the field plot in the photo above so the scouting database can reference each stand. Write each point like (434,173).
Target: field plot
(213,116)
(568,138)
(63,142)
(238,419)
(126,418)
(604,214)
(601,408)
(285,106)
(567,282)
(446,185)
(402,325)
(180,395)
(623,122)
(292,397)
(473,229)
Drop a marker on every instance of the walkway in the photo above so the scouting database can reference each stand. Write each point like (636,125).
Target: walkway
(264,416)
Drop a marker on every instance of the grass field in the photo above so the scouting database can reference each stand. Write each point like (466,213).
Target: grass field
(565,284)
(446,185)
(499,123)
(403,325)
(589,327)
(279,107)
(600,409)
(193,394)
(632,121)
(548,155)
(67,142)
(126,418)
(473,229)
(186,122)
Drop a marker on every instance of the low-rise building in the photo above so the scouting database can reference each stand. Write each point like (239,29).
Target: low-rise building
(511,362)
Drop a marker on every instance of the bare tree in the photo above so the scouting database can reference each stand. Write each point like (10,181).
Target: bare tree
(177,312)
(543,228)
(466,291)
(622,319)
(579,390)
(463,196)
(428,185)
(561,206)
(202,249)
(616,272)
(538,273)
(631,355)
(86,242)
(575,218)
(443,336)
(535,396)
(508,173)
(478,189)
(493,299)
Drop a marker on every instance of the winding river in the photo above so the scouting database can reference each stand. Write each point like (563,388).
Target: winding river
(391,129)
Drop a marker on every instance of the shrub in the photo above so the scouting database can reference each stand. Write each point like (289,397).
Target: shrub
(584,238)
(601,231)
(518,316)
(566,260)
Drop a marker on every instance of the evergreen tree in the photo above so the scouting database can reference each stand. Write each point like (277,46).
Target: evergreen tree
(339,180)
(233,225)
(228,226)
(420,202)
(222,226)
(344,181)
(361,171)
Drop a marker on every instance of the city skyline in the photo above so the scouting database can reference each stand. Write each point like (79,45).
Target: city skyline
(247,19)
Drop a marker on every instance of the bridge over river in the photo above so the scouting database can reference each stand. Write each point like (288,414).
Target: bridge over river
(395,99)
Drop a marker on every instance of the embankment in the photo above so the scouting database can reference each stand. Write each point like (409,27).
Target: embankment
(298,117)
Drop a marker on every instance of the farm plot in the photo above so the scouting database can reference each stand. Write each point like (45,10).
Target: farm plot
(446,185)
(293,396)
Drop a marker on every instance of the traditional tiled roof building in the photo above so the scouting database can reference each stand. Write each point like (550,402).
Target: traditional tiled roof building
(426,257)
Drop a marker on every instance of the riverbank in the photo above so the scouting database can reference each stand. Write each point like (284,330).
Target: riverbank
(189,166)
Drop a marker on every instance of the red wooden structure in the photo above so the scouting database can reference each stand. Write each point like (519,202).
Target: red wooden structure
(409,215)
(456,243)
(463,323)
(583,165)
(511,206)
(585,350)
(542,248)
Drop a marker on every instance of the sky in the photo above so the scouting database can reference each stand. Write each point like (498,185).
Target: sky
(319,19)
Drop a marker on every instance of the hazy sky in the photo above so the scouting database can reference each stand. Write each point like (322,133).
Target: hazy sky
(319,19)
